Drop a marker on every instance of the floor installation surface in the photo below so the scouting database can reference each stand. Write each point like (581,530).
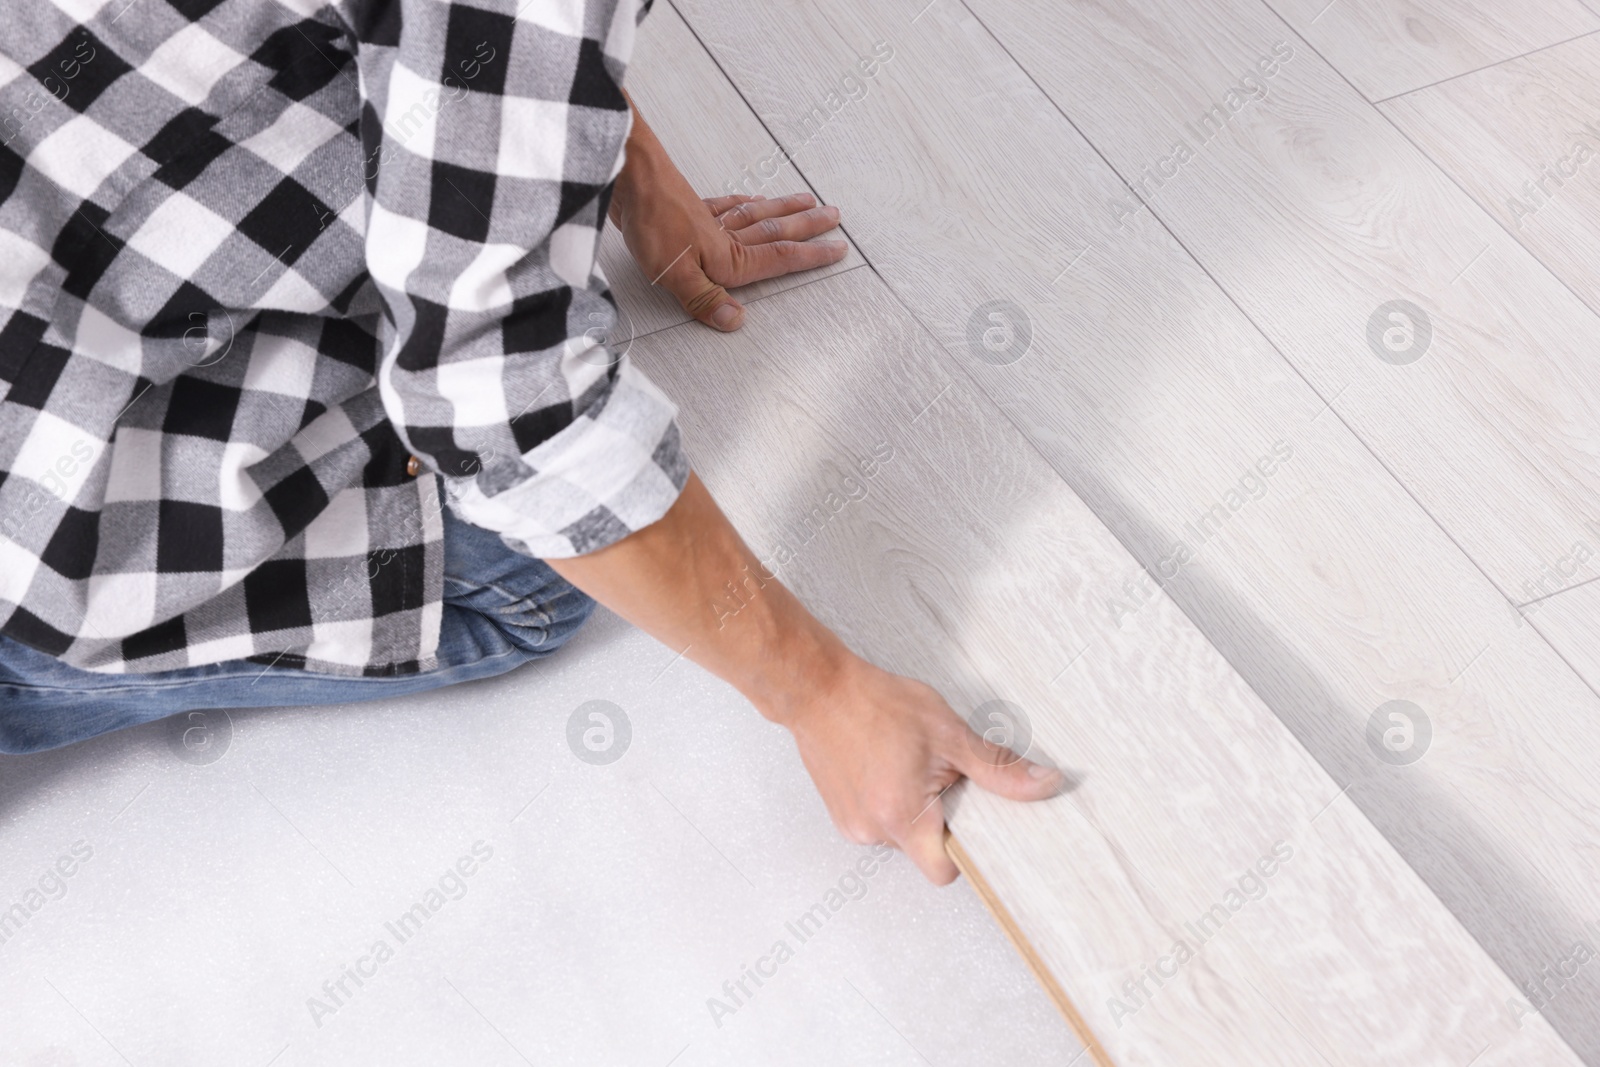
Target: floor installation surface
(1216,466)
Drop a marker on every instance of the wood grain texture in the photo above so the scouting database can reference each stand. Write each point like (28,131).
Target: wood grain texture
(1523,138)
(1314,213)
(1325,583)
(712,137)
(1571,622)
(965,560)
(1387,47)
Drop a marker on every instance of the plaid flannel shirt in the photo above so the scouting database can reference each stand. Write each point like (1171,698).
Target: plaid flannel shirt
(254,254)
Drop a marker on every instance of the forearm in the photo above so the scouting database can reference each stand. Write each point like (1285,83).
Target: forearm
(690,581)
(882,749)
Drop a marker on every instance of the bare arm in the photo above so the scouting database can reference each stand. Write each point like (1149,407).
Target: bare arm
(881,748)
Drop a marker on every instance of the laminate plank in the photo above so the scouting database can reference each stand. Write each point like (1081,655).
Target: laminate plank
(1388,47)
(1324,582)
(1316,215)
(1019,940)
(713,137)
(1523,138)
(964,559)
(1571,622)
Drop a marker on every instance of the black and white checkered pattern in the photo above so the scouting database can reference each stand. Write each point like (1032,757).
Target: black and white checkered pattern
(252,253)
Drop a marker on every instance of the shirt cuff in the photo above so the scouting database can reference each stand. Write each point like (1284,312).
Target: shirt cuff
(617,468)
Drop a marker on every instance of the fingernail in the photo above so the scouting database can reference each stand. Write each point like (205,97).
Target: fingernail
(1040,771)
(723,318)
(804,198)
(832,212)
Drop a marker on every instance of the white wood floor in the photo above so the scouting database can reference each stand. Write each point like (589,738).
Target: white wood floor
(1523,139)
(1201,532)
(1571,622)
(970,563)
(1180,333)
(1389,47)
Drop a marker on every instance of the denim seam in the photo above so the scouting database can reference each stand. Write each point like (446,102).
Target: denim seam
(511,598)
(180,683)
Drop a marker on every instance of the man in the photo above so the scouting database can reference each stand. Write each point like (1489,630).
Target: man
(306,395)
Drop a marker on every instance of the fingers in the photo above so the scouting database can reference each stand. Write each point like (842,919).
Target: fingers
(918,831)
(755,262)
(720,204)
(1000,770)
(751,211)
(922,840)
(796,227)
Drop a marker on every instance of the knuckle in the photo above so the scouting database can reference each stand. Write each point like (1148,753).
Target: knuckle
(771,227)
(704,299)
(950,728)
(892,816)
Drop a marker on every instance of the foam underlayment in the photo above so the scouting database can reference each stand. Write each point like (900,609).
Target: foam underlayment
(571,912)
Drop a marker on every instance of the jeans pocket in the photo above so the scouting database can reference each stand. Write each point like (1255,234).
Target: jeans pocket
(539,620)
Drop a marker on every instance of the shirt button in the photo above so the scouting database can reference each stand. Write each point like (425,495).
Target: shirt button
(413,466)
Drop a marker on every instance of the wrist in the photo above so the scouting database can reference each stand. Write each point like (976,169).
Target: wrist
(805,666)
(644,161)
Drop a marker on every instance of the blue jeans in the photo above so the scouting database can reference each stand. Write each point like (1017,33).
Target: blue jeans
(501,609)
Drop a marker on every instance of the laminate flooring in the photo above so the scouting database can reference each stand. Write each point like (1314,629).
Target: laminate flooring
(1571,622)
(1202,842)
(1523,139)
(1389,47)
(992,159)
(1442,342)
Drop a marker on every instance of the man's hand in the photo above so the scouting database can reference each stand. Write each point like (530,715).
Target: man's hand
(698,248)
(883,750)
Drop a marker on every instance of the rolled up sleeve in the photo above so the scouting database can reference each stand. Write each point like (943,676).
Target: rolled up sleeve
(492,134)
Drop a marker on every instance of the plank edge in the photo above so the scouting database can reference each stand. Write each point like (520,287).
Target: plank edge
(1041,973)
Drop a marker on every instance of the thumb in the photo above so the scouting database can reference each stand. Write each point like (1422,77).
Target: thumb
(705,299)
(1001,771)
